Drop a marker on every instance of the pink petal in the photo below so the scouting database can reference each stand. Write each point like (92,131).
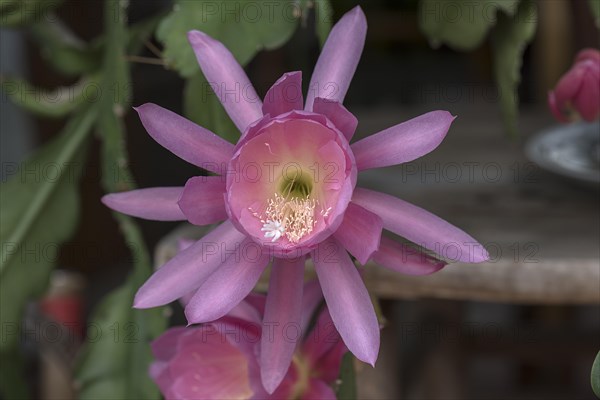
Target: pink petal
(204,383)
(343,119)
(281,324)
(321,339)
(312,296)
(189,268)
(587,101)
(405,259)
(318,390)
(246,312)
(421,227)
(258,301)
(166,345)
(288,386)
(330,363)
(360,232)
(191,142)
(285,95)
(160,374)
(339,58)
(568,86)
(158,204)
(348,300)
(404,142)
(229,284)
(589,54)
(203,201)
(210,367)
(227,78)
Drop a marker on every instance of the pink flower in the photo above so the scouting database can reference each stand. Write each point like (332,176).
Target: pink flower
(220,360)
(578,91)
(286,191)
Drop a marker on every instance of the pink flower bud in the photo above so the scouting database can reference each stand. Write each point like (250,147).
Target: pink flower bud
(577,94)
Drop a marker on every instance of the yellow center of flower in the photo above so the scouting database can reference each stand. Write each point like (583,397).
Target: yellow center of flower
(290,213)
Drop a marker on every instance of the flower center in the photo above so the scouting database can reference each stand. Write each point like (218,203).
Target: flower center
(299,185)
(290,213)
(292,182)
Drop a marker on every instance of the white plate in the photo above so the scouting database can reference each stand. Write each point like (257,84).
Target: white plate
(569,150)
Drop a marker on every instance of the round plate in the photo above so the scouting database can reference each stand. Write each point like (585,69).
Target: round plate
(569,150)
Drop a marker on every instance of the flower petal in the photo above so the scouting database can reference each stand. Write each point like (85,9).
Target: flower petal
(229,284)
(339,58)
(405,259)
(587,101)
(312,296)
(210,367)
(285,95)
(360,232)
(227,78)
(281,324)
(343,119)
(318,390)
(403,142)
(568,86)
(159,372)
(321,339)
(190,142)
(348,300)
(244,311)
(166,345)
(188,269)
(158,204)
(421,227)
(203,201)
(329,364)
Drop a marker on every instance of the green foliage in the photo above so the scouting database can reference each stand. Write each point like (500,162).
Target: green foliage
(595,376)
(461,24)
(323,14)
(595,8)
(201,105)
(347,387)
(323,20)
(116,366)
(40,208)
(509,40)
(12,380)
(61,48)
(244,27)
(16,13)
(55,103)
(39,211)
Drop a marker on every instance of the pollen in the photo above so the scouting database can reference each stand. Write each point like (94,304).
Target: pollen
(292,218)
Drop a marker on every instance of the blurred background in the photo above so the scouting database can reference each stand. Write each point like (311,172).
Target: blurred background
(526,325)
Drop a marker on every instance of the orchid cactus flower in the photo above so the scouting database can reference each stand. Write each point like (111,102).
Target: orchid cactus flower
(286,191)
(577,94)
(219,360)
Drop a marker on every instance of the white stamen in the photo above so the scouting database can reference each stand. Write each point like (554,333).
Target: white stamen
(290,218)
(273,229)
